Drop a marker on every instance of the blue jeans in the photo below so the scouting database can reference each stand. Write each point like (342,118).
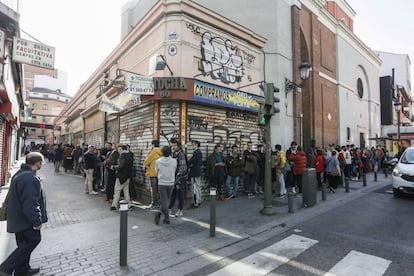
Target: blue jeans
(230,190)
(178,191)
(249,180)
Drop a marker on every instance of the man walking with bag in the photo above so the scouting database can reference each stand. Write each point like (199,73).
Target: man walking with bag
(26,212)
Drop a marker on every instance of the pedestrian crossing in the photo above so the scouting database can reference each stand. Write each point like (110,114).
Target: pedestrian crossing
(285,251)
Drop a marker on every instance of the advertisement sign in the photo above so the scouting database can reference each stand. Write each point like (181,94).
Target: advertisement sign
(140,85)
(33,53)
(218,95)
(108,106)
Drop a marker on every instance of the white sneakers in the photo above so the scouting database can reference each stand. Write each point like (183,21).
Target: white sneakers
(93,193)
(179,213)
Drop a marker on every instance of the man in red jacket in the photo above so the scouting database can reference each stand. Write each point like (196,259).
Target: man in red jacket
(300,161)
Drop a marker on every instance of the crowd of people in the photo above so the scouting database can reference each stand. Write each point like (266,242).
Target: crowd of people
(110,170)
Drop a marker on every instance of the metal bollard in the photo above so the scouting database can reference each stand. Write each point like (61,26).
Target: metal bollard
(375,176)
(323,191)
(346,184)
(364,179)
(123,239)
(290,201)
(213,193)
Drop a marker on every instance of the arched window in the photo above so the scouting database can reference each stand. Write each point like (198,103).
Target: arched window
(360,88)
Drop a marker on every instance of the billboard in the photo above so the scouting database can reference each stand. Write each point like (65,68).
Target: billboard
(33,53)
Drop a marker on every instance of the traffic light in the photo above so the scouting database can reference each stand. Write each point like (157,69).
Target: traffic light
(261,119)
(271,99)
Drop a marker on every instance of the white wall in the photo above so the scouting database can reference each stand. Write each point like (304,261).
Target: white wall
(362,115)
(401,63)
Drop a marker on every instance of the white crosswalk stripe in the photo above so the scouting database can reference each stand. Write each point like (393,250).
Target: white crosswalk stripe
(356,263)
(270,258)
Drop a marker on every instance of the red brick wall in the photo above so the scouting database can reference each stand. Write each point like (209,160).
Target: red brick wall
(338,13)
(318,101)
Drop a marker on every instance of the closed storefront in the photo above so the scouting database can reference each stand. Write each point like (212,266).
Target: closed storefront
(137,130)
(94,130)
(112,129)
(227,127)
(169,122)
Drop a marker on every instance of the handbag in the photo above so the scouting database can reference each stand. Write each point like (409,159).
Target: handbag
(286,168)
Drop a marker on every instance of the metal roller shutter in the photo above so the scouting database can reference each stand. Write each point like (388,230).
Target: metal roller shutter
(211,126)
(95,138)
(169,122)
(112,132)
(136,130)
(227,127)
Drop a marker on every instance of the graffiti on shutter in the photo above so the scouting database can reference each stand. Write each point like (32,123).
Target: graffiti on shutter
(211,126)
(227,127)
(136,130)
(95,138)
(112,131)
(169,122)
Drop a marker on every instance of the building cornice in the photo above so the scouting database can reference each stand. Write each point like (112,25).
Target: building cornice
(159,12)
(347,34)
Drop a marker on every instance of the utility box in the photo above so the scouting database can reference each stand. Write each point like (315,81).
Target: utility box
(309,187)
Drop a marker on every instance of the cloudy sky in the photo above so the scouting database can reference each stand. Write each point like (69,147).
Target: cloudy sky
(385,25)
(84,32)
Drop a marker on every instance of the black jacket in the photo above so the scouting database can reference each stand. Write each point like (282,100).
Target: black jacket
(195,163)
(89,160)
(27,202)
(125,163)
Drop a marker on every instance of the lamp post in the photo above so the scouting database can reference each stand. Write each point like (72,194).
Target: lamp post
(397,106)
(304,72)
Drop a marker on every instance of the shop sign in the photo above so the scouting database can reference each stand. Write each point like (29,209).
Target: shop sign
(33,53)
(223,96)
(140,85)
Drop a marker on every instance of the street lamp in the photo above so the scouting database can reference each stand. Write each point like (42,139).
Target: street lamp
(397,106)
(161,64)
(304,71)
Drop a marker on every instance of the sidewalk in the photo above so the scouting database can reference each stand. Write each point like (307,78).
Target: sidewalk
(82,237)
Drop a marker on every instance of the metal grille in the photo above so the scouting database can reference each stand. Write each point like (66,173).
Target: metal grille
(95,138)
(408,177)
(112,131)
(136,130)
(228,127)
(224,126)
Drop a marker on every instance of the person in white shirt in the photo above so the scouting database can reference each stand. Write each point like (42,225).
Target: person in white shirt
(165,168)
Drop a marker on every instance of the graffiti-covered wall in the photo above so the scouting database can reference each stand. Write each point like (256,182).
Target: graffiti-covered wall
(169,122)
(136,130)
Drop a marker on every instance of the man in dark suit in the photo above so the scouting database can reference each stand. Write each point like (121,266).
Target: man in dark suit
(123,175)
(26,212)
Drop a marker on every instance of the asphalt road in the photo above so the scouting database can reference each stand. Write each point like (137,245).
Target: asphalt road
(368,236)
